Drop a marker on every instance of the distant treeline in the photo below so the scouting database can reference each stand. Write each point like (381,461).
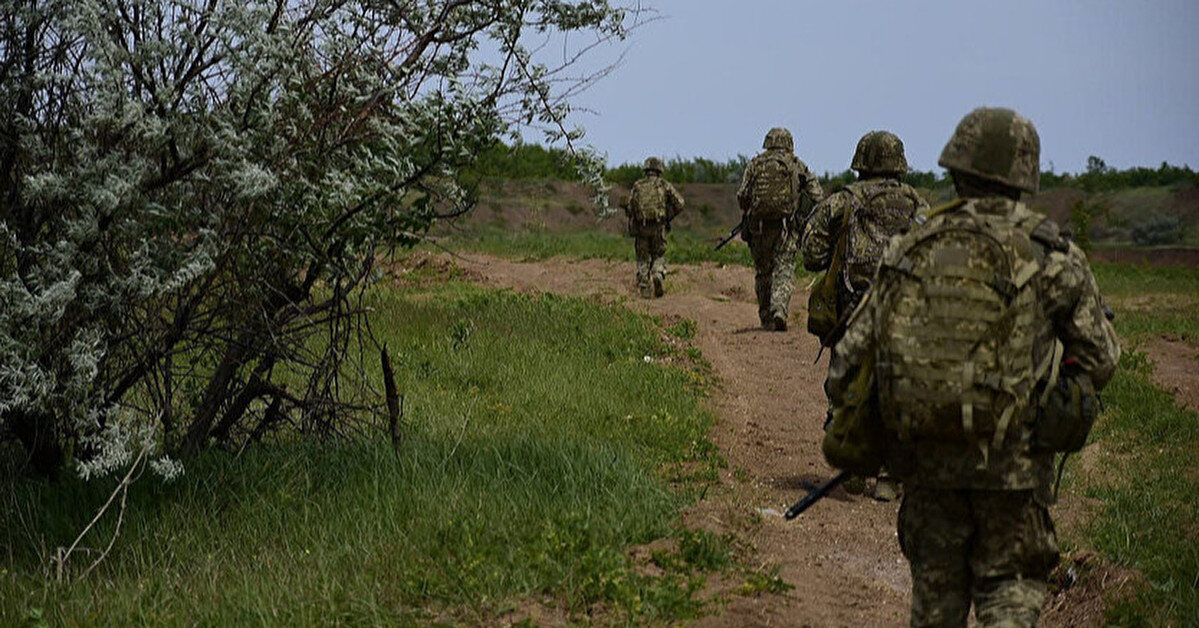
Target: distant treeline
(533,161)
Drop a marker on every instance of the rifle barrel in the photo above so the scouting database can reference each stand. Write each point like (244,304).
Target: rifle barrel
(817,494)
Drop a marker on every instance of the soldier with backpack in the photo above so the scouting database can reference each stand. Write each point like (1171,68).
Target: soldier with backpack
(846,236)
(650,207)
(972,361)
(776,192)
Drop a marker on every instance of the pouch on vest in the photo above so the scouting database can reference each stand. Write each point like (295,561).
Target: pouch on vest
(823,314)
(854,436)
(1067,412)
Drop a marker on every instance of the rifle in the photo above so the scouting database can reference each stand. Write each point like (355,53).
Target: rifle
(732,234)
(815,495)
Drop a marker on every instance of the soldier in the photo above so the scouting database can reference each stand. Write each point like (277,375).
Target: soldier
(650,207)
(776,192)
(854,225)
(986,339)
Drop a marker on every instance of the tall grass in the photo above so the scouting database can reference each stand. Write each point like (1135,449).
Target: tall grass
(539,446)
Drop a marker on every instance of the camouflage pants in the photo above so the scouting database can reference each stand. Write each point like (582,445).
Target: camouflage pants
(992,548)
(649,242)
(774,246)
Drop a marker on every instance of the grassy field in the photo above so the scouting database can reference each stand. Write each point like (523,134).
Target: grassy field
(1144,475)
(545,436)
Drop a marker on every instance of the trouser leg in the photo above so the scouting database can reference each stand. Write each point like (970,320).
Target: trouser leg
(782,279)
(641,246)
(934,534)
(1015,550)
(658,264)
(762,247)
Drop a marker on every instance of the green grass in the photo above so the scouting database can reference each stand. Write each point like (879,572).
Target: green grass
(1146,478)
(682,247)
(1151,302)
(1150,492)
(540,445)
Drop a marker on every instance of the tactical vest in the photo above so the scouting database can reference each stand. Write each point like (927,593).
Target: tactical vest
(773,188)
(956,330)
(879,211)
(648,200)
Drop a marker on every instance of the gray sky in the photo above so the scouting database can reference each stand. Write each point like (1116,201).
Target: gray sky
(1113,78)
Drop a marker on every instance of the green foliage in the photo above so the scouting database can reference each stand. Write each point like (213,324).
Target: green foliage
(1157,229)
(526,161)
(1080,218)
(195,194)
(766,580)
(684,329)
(1099,177)
(679,170)
(531,461)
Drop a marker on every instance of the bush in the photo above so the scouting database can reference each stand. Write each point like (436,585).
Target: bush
(1156,230)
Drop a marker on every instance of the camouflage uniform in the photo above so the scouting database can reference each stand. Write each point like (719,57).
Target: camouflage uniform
(879,160)
(974,524)
(649,234)
(773,238)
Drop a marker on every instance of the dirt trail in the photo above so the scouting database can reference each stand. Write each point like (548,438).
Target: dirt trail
(841,556)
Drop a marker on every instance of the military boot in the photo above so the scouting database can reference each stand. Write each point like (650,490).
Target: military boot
(646,290)
(778,322)
(886,489)
(658,289)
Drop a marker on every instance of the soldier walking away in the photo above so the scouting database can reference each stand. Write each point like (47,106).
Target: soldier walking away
(650,208)
(980,348)
(776,193)
(849,230)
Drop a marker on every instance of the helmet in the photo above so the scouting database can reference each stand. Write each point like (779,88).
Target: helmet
(880,151)
(653,164)
(996,145)
(778,137)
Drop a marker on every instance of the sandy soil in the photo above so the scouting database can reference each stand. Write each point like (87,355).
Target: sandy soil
(1176,369)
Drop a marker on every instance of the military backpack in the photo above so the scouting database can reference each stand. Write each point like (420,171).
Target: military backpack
(956,328)
(881,210)
(647,203)
(773,188)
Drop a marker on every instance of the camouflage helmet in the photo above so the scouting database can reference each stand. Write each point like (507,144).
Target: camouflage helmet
(996,145)
(653,164)
(881,152)
(778,137)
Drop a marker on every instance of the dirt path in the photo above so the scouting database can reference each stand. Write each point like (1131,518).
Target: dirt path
(841,556)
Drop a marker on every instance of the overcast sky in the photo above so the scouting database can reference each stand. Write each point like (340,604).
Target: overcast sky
(1113,78)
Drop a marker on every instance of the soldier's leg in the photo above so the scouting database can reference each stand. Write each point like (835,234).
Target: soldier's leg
(644,260)
(658,263)
(934,533)
(782,277)
(762,249)
(1014,551)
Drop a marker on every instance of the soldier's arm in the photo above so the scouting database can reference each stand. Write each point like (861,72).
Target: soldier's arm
(811,185)
(744,197)
(674,200)
(819,235)
(1075,308)
(851,351)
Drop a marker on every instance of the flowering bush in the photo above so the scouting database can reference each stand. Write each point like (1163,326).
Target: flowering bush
(195,193)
